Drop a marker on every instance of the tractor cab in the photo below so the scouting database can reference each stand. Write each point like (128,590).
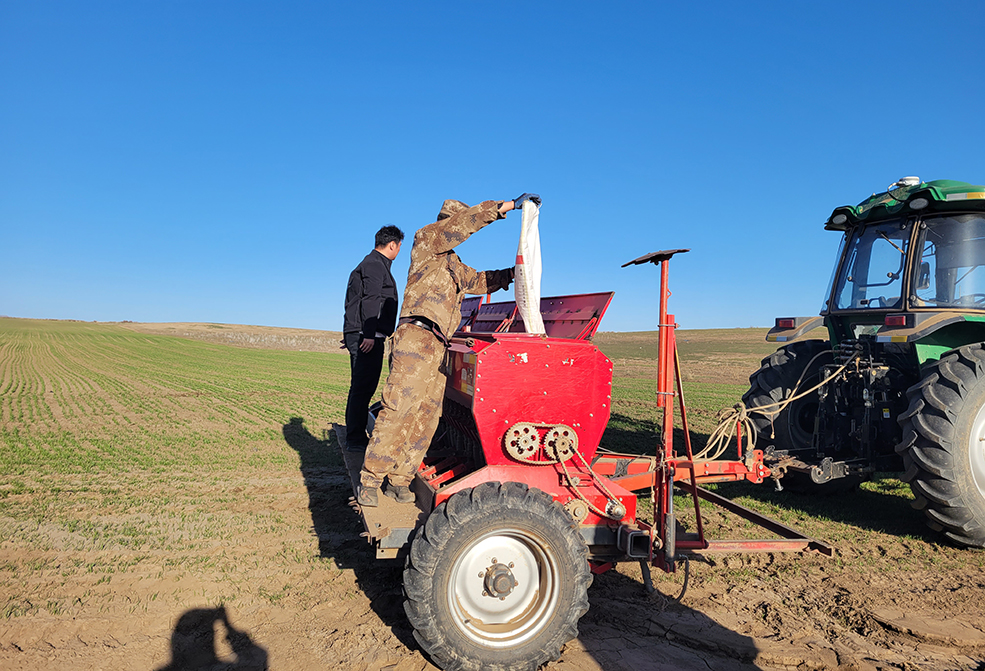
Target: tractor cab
(904,314)
(912,262)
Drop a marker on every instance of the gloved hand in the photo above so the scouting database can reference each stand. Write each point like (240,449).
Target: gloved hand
(522,198)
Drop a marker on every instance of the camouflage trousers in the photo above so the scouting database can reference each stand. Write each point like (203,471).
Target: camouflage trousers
(412,401)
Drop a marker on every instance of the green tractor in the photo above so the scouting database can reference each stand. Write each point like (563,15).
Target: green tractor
(898,385)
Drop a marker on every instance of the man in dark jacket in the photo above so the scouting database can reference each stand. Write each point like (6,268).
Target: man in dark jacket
(370,316)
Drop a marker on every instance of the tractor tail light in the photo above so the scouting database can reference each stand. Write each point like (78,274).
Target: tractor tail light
(898,320)
(786,323)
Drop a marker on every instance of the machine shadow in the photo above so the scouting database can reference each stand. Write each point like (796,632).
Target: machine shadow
(193,644)
(875,508)
(628,630)
(337,527)
(642,437)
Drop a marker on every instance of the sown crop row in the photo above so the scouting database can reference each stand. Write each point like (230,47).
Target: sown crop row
(90,397)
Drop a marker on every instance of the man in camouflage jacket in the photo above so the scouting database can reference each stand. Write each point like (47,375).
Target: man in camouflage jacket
(436,283)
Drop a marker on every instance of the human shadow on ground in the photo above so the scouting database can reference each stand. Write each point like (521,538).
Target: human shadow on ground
(338,528)
(193,644)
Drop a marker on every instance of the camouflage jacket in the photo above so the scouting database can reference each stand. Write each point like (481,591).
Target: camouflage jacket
(438,280)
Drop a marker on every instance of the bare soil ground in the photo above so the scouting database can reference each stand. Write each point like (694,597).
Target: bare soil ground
(265,568)
(284,612)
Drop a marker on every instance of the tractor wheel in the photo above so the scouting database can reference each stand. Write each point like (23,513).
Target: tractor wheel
(943,446)
(793,428)
(498,579)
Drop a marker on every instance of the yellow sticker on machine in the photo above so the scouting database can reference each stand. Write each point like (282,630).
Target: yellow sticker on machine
(463,376)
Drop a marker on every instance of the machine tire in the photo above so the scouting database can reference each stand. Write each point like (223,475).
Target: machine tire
(445,594)
(793,428)
(943,446)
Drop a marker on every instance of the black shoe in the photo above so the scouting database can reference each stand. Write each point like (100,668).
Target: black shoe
(368,497)
(400,493)
(355,447)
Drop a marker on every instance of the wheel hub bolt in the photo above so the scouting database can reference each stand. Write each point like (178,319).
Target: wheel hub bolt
(499,581)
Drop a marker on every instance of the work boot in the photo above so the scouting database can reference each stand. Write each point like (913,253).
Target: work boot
(368,497)
(400,493)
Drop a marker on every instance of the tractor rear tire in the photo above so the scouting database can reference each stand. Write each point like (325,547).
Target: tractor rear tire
(943,446)
(793,428)
(497,579)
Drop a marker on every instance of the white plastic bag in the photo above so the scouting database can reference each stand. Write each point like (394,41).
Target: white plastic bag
(526,283)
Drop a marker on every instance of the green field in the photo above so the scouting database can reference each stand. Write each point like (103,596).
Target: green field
(145,474)
(84,398)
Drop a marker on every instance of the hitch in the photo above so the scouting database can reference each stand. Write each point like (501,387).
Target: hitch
(636,543)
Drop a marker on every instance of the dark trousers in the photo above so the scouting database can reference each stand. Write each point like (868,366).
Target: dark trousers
(365,376)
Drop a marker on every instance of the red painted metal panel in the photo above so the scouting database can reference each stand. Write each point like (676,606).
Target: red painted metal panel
(598,568)
(550,479)
(637,472)
(545,381)
(759,545)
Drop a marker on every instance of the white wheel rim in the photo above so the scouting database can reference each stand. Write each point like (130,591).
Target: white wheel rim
(509,621)
(976,451)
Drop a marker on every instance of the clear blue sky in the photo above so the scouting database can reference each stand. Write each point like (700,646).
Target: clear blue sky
(231,161)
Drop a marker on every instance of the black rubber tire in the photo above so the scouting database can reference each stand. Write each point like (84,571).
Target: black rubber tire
(943,446)
(793,428)
(441,582)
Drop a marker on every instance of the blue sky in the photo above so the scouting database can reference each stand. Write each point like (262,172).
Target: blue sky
(231,161)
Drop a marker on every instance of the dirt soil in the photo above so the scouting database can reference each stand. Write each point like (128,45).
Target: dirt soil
(256,600)
(279,613)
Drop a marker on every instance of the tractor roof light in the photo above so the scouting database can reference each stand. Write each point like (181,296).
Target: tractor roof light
(842,218)
(904,182)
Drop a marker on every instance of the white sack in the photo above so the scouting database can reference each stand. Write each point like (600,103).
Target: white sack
(526,283)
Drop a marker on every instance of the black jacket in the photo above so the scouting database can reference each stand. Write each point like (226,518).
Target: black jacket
(371,298)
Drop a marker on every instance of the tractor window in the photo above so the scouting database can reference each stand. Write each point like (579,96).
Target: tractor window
(951,269)
(834,274)
(872,274)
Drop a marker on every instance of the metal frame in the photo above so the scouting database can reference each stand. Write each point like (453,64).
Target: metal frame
(667,468)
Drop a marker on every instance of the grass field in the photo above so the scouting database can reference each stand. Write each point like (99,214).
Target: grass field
(85,398)
(146,476)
